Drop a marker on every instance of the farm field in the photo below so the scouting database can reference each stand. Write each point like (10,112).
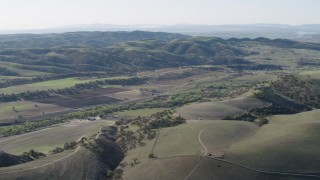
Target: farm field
(26,109)
(85,98)
(49,138)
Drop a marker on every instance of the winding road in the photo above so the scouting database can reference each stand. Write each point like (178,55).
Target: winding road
(204,154)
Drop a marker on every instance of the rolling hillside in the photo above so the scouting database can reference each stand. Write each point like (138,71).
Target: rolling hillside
(129,56)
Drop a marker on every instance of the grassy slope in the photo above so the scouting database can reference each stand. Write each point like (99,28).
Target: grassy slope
(288,143)
(47,139)
(183,139)
(217,110)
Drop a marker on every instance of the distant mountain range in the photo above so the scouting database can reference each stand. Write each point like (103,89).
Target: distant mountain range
(76,52)
(309,32)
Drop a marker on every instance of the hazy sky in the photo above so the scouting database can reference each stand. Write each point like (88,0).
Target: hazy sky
(28,14)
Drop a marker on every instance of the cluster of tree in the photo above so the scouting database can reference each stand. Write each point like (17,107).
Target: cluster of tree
(280,104)
(168,121)
(98,111)
(24,95)
(128,139)
(256,67)
(262,121)
(158,120)
(33,154)
(67,146)
(200,94)
(305,91)
(29,126)
(222,90)
(57,150)
(70,145)
(246,116)
(252,114)
(116,174)
(274,110)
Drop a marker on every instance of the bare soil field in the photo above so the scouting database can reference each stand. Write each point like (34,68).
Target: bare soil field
(97,92)
(83,99)
(78,103)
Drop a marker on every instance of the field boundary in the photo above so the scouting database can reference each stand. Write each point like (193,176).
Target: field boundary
(155,142)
